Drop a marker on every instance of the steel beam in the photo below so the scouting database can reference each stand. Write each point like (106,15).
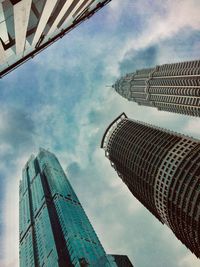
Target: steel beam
(69,16)
(2,54)
(3,28)
(21,17)
(59,17)
(81,7)
(46,13)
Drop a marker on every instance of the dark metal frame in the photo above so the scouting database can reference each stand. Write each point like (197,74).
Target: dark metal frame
(109,126)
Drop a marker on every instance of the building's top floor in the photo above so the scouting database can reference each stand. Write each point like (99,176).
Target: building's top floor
(29,26)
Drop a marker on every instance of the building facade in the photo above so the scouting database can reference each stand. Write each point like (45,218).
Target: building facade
(169,87)
(54,229)
(162,170)
(29,26)
(122,260)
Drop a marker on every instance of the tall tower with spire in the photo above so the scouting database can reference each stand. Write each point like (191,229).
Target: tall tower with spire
(54,229)
(162,170)
(169,87)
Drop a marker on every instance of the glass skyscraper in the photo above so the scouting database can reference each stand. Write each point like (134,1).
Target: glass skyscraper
(54,229)
(169,87)
(29,26)
(162,170)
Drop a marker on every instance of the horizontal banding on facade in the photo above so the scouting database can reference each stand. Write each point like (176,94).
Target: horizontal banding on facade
(168,168)
(162,170)
(169,87)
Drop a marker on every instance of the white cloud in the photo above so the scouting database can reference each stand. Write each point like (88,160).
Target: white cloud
(11,223)
(189,260)
(161,21)
(193,127)
(114,212)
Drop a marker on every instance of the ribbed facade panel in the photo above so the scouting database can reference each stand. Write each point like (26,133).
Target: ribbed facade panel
(78,232)
(31,169)
(26,254)
(137,151)
(162,170)
(185,192)
(24,213)
(170,87)
(47,253)
(55,175)
(37,194)
(23,184)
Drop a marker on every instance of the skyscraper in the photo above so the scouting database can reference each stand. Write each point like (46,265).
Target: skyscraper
(162,170)
(169,87)
(29,26)
(54,229)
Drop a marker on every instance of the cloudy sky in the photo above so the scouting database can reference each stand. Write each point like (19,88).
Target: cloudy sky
(59,101)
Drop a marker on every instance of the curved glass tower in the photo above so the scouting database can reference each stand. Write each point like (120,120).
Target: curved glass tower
(162,170)
(54,229)
(169,87)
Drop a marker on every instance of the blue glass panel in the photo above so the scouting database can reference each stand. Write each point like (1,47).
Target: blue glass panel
(37,194)
(31,169)
(80,236)
(47,254)
(23,183)
(26,254)
(24,214)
